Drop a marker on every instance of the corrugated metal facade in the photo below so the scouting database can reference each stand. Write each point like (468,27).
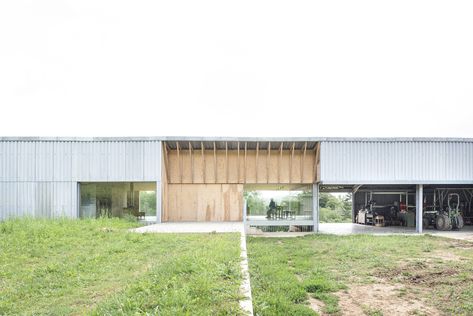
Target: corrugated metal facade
(39,178)
(396,162)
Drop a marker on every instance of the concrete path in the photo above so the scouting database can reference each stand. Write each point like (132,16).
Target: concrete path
(344,229)
(465,234)
(200,227)
(247,303)
(349,228)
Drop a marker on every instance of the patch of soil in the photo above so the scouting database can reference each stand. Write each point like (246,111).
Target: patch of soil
(446,256)
(316,305)
(464,244)
(422,273)
(383,297)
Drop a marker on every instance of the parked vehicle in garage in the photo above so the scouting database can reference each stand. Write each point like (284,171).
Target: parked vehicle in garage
(447,218)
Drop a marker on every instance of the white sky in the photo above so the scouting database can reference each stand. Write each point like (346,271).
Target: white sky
(236,68)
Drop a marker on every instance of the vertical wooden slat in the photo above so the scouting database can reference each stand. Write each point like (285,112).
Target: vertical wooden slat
(179,162)
(238,163)
(244,166)
(202,149)
(191,158)
(226,162)
(279,162)
(166,161)
(256,161)
(290,162)
(268,159)
(303,161)
(215,162)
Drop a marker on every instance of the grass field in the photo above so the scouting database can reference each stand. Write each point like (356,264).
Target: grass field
(60,267)
(361,275)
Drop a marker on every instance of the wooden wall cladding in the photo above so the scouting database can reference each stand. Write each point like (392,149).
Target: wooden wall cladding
(203,202)
(231,166)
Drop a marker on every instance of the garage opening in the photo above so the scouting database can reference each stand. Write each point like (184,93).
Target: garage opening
(448,207)
(393,208)
(346,209)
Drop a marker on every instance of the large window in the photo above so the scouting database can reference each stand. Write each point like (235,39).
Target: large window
(117,199)
(278,202)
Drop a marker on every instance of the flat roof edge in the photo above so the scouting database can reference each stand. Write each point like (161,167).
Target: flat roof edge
(241,139)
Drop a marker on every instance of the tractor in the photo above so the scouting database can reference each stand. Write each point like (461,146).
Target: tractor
(449,218)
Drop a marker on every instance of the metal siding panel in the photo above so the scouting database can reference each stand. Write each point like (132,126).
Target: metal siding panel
(44,199)
(27,161)
(98,161)
(134,161)
(44,161)
(151,160)
(8,161)
(391,162)
(74,200)
(8,198)
(440,160)
(26,198)
(449,161)
(103,158)
(75,160)
(116,161)
(396,162)
(468,163)
(62,161)
(85,161)
(63,195)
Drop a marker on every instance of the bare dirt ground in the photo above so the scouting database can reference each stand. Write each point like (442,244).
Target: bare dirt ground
(403,290)
(384,299)
(316,305)
(378,299)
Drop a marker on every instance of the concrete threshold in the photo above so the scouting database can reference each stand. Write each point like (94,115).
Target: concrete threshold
(192,227)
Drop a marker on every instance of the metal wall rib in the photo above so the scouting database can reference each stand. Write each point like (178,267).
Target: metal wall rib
(409,162)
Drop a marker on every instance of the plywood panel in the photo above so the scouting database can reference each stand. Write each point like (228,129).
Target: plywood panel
(204,202)
(164,191)
(296,168)
(308,168)
(221,167)
(173,165)
(198,167)
(250,171)
(262,167)
(186,166)
(225,167)
(233,202)
(284,174)
(209,167)
(232,167)
(273,167)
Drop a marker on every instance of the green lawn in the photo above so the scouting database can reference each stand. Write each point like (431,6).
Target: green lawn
(59,267)
(371,274)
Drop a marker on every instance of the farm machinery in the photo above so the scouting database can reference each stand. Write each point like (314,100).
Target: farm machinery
(369,214)
(445,213)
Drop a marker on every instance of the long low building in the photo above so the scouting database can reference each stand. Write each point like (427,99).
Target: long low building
(176,179)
